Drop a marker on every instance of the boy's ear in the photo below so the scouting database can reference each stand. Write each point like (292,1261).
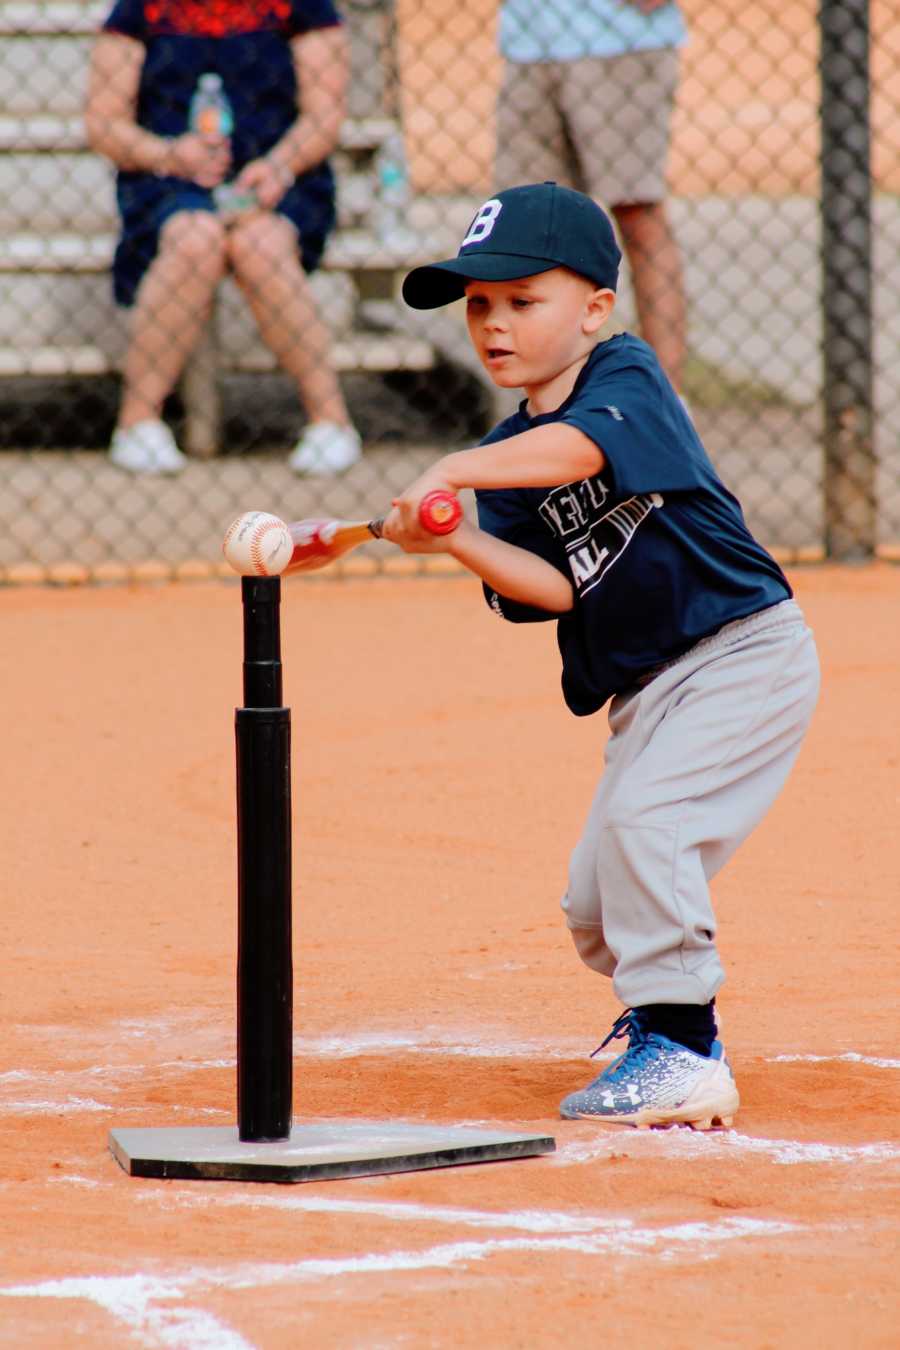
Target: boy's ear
(600,305)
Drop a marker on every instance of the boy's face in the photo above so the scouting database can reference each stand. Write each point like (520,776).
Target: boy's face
(528,332)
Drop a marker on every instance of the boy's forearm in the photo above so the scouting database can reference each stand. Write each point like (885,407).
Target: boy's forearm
(513,572)
(545,456)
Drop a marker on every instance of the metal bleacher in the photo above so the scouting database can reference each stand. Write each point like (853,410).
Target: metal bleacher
(58,226)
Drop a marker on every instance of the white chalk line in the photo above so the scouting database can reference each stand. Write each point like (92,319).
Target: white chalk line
(483,1043)
(116,1072)
(437,1043)
(63,1090)
(71,1104)
(77,1089)
(32,1077)
(527,1220)
(725,1144)
(143,1304)
(30,1107)
(848,1057)
(432,1043)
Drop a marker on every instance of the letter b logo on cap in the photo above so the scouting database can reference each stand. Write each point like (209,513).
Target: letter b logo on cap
(484,222)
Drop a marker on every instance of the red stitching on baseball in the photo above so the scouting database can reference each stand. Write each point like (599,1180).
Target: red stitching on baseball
(256,556)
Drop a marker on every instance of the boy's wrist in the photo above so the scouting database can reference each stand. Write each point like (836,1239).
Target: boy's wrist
(452,469)
(458,539)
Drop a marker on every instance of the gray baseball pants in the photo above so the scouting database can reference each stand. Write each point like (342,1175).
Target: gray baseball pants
(694,760)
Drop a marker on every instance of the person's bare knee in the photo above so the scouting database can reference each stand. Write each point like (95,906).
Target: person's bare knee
(263,246)
(194,240)
(172,304)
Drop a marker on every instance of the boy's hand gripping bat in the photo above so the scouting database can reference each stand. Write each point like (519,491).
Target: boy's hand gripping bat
(318,542)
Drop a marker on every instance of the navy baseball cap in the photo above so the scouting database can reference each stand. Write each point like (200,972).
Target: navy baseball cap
(519,233)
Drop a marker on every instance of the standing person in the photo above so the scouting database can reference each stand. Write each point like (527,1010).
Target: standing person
(586,99)
(599,507)
(283,65)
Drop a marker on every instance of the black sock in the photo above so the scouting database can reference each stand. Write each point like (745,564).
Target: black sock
(689,1024)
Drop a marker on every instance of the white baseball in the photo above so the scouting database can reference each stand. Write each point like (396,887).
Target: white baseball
(258,545)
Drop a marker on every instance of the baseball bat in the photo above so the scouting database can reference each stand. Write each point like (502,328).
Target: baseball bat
(318,542)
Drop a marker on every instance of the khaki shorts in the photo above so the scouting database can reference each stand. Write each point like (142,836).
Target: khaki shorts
(601,124)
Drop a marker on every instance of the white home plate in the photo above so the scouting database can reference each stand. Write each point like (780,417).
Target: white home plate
(316,1152)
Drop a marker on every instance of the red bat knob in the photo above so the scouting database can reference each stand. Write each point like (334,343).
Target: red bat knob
(440,511)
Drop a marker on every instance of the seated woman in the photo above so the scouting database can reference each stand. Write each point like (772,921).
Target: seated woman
(284,67)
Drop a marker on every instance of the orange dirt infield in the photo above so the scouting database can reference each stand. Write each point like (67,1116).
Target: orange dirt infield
(439,784)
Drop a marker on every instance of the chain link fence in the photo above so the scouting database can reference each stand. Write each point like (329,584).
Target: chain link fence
(778,204)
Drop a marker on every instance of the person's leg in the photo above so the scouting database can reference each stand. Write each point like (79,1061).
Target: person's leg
(265,259)
(657,279)
(698,757)
(582,903)
(262,249)
(695,760)
(173,303)
(531,137)
(618,113)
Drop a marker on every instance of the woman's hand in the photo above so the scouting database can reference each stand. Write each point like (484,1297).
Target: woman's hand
(204,160)
(266,179)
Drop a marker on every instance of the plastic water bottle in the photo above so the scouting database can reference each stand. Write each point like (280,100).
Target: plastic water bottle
(392,202)
(210,112)
(211,115)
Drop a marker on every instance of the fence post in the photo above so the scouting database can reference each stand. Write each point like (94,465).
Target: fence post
(846,213)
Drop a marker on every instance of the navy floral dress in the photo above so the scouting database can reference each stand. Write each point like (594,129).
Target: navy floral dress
(247,43)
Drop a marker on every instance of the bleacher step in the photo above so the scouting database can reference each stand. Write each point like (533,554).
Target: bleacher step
(371,352)
(66,192)
(348,250)
(71,309)
(44,131)
(26,18)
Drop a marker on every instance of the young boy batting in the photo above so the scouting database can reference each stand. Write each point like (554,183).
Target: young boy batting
(598,507)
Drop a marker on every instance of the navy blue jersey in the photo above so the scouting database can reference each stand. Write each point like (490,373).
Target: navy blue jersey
(655,546)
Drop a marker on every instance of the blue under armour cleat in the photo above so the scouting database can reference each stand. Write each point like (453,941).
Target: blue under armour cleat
(657,1082)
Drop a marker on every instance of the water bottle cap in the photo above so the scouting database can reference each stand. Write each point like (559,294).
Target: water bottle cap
(210,81)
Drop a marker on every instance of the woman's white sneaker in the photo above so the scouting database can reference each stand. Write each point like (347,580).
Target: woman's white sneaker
(326,448)
(147,447)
